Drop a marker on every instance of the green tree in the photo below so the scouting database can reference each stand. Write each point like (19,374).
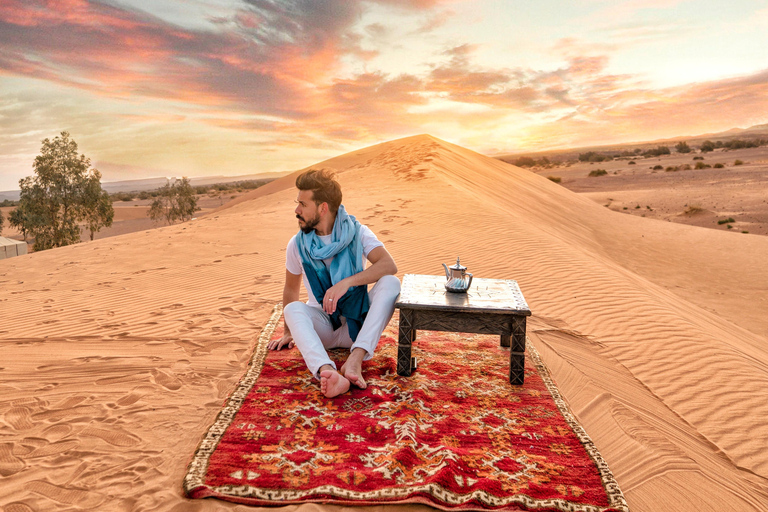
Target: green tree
(2,221)
(682,147)
(55,199)
(707,146)
(16,219)
(98,210)
(175,201)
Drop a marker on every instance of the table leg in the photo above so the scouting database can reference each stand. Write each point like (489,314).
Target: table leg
(406,336)
(517,351)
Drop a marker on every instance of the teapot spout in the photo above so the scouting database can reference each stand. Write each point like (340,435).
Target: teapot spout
(447,272)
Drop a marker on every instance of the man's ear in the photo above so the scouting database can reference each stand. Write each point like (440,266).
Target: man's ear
(324,208)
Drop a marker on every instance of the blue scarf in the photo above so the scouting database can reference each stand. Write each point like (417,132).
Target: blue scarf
(346,249)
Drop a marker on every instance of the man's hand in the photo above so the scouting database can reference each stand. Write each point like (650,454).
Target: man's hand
(332,296)
(278,344)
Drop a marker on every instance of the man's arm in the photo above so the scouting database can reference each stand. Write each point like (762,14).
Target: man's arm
(382,264)
(291,292)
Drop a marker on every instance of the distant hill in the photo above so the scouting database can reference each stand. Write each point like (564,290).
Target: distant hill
(753,132)
(154,183)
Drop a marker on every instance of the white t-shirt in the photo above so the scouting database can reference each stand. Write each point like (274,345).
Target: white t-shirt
(295,267)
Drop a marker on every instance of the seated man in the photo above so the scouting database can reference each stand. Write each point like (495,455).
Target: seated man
(328,253)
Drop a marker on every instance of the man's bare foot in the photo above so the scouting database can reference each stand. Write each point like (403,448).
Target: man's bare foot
(332,383)
(352,370)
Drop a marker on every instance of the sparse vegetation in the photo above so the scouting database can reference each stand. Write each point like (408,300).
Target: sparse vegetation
(175,201)
(738,162)
(698,158)
(718,165)
(725,221)
(660,150)
(631,162)
(555,179)
(658,167)
(707,146)
(693,209)
(682,147)
(702,165)
(597,172)
(593,156)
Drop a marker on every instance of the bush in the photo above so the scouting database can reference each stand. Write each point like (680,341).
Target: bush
(631,162)
(702,165)
(738,162)
(592,156)
(597,172)
(698,158)
(123,196)
(718,166)
(725,221)
(672,169)
(555,179)
(658,167)
(707,146)
(661,150)
(693,209)
(682,147)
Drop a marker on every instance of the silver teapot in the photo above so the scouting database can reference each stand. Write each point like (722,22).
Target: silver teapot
(456,278)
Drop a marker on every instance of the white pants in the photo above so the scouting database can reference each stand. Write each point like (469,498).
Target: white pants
(313,333)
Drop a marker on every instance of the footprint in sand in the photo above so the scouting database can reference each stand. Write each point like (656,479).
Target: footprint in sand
(167,380)
(134,396)
(9,463)
(19,418)
(17,507)
(50,449)
(83,499)
(115,437)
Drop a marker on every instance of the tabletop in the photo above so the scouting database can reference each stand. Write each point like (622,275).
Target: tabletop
(501,296)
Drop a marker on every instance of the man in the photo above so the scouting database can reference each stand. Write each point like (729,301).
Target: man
(327,254)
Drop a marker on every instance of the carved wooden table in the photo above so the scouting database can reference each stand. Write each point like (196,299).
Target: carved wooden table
(491,306)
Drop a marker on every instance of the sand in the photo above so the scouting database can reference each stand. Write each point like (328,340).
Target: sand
(118,353)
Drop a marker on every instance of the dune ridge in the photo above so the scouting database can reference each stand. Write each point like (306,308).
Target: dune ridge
(119,352)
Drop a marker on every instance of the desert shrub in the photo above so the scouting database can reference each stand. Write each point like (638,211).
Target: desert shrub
(725,221)
(707,146)
(729,226)
(524,161)
(738,162)
(555,179)
(637,207)
(631,162)
(692,209)
(682,147)
(660,150)
(672,169)
(698,158)
(593,156)
(123,196)
(718,165)
(597,172)
(702,165)
(8,202)
(658,167)
(685,167)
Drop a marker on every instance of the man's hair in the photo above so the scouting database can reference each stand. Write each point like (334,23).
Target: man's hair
(324,187)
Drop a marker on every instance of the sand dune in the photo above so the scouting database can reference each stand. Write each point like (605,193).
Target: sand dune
(117,353)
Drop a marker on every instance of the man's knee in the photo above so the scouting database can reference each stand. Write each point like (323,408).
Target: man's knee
(388,286)
(294,310)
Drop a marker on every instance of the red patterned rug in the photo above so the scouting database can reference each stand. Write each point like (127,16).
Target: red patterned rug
(455,435)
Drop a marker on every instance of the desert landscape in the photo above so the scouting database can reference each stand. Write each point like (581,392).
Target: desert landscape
(119,353)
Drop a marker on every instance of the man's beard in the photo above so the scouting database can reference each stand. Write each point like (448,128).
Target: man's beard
(309,225)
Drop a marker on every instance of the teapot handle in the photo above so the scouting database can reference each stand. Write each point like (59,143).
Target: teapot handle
(470,280)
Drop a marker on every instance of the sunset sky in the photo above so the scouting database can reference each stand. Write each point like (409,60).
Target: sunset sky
(212,87)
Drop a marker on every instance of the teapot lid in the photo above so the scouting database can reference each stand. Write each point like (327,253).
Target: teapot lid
(458,266)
